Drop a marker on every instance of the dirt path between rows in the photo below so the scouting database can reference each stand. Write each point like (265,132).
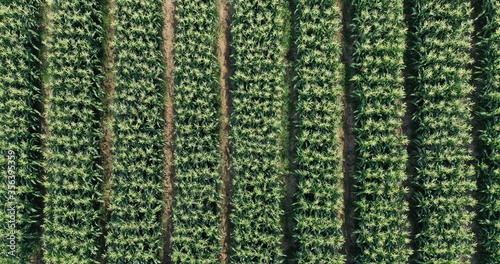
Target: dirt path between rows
(289,244)
(108,85)
(223,52)
(168,52)
(348,136)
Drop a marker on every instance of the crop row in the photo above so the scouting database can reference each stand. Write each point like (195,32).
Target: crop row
(379,35)
(259,91)
(197,203)
(71,160)
(319,112)
(489,114)
(19,138)
(71,76)
(444,173)
(134,231)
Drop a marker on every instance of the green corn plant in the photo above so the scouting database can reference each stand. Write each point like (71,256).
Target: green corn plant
(443,179)
(379,35)
(134,232)
(257,161)
(489,138)
(319,111)
(20,193)
(71,160)
(196,207)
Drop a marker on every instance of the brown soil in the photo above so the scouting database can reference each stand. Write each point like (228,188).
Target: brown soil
(349,147)
(341,132)
(168,51)
(225,10)
(288,244)
(108,85)
(109,89)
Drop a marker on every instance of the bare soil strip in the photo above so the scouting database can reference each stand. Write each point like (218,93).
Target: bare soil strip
(341,132)
(223,51)
(349,147)
(410,126)
(289,245)
(168,51)
(108,85)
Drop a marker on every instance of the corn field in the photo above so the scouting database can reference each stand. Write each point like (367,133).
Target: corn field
(249,131)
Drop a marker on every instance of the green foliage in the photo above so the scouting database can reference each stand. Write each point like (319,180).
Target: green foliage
(72,76)
(71,160)
(489,114)
(134,228)
(319,112)
(196,208)
(444,178)
(18,133)
(257,121)
(379,34)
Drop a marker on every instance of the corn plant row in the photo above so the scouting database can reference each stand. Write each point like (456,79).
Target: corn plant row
(71,160)
(257,122)
(319,111)
(196,208)
(444,175)
(19,137)
(489,114)
(379,35)
(134,229)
